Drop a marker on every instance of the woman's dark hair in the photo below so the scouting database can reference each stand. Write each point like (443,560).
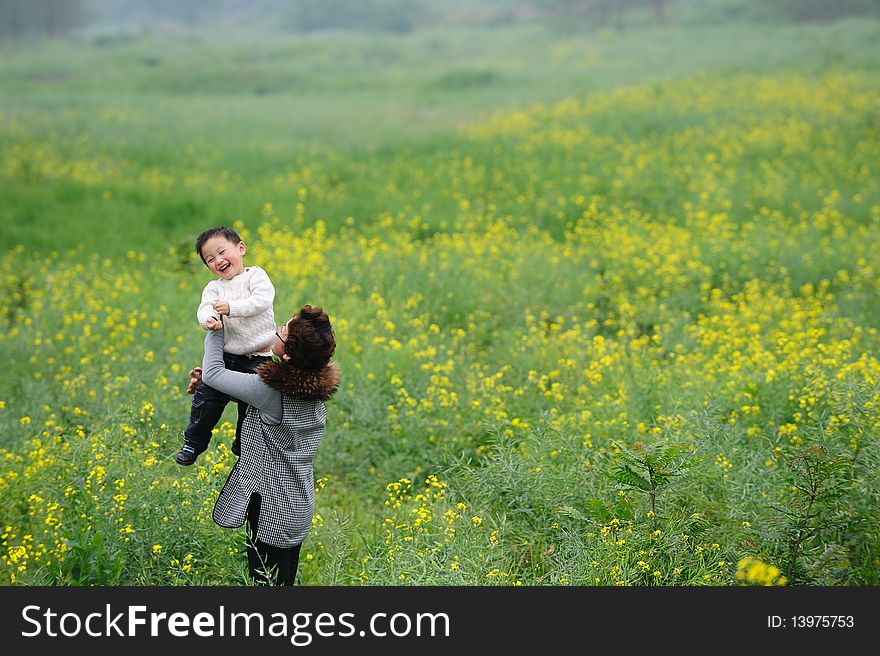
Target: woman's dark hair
(222,231)
(310,341)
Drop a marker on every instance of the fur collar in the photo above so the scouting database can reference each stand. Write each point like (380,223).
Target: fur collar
(306,384)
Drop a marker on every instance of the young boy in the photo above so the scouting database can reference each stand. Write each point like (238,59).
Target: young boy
(239,302)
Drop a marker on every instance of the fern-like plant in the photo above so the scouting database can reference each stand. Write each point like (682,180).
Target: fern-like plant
(649,469)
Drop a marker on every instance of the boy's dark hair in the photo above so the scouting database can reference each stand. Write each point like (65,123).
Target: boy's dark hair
(221,231)
(310,341)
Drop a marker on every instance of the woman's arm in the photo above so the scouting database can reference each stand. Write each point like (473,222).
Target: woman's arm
(245,387)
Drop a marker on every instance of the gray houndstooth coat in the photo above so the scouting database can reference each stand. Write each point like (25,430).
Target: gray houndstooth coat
(276,460)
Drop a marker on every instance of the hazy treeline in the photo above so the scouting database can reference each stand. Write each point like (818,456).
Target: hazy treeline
(22,18)
(602,12)
(28,18)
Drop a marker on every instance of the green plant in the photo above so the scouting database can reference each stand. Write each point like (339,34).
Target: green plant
(816,504)
(648,469)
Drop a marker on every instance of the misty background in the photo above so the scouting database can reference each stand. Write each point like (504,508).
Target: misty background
(55,18)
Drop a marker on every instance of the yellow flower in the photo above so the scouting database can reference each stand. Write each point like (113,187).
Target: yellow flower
(752,570)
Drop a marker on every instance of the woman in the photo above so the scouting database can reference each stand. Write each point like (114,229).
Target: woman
(272,485)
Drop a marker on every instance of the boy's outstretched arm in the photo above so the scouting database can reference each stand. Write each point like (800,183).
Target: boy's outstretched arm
(206,307)
(261,298)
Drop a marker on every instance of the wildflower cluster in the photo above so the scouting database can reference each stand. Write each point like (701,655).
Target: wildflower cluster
(753,571)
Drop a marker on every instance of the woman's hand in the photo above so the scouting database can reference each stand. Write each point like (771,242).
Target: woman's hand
(195,375)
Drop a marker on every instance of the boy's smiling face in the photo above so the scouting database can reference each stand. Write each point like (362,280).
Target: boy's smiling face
(223,257)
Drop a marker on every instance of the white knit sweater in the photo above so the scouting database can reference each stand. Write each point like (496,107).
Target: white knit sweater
(250,327)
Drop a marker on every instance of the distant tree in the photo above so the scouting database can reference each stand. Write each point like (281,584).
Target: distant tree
(190,12)
(821,10)
(598,11)
(603,12)
(24,18)
(660,10)
(363,15)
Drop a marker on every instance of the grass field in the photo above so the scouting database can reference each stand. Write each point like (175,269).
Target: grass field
(606,303)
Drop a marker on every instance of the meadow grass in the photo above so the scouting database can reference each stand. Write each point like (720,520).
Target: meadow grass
(600,323)
(168,133)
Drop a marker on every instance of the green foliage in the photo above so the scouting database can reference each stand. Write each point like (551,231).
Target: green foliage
(817,509)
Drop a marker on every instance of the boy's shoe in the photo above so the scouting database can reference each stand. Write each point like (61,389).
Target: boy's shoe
(236,447)
(187,455)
